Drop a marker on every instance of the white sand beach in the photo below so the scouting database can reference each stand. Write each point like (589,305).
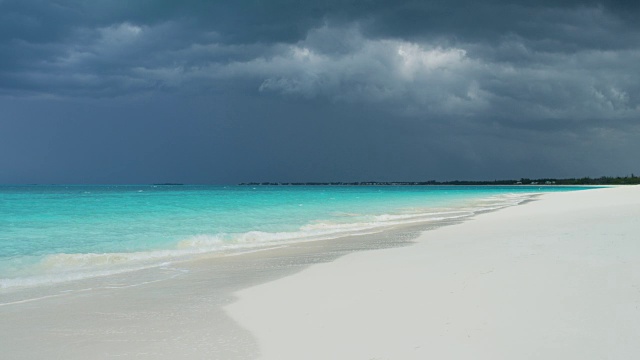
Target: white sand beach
(558,278)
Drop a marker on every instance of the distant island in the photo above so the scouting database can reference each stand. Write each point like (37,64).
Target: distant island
(605,180)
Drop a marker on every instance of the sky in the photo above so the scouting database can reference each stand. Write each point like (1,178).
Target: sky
(228,91)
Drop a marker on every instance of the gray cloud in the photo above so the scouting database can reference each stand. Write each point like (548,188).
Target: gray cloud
(472,79)
(568,69)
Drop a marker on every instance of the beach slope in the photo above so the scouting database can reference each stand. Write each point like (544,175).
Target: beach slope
(557,278)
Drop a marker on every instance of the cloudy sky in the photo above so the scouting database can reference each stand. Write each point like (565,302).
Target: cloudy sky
(108,91)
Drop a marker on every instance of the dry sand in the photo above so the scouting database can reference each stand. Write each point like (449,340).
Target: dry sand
(557,278)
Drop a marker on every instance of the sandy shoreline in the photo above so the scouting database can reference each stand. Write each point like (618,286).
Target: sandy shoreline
(174,312)
(555,278)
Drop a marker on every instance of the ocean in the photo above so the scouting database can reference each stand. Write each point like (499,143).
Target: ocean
(53,234)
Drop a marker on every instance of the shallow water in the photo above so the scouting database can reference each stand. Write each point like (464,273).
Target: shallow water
(51,234)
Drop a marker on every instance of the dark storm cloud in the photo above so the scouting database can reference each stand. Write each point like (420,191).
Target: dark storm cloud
(470,78)
(423,57)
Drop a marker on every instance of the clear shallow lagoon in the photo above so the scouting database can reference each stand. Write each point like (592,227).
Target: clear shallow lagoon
(51,234)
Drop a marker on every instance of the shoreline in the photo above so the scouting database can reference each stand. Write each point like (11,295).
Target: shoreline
(66,268)
(172,312)
(200,308)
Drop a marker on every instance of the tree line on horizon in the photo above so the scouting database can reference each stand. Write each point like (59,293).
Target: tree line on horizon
(604,180)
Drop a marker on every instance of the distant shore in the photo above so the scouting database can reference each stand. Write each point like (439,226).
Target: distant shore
(605,180)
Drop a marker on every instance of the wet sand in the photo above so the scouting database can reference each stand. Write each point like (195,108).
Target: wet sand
(170,312)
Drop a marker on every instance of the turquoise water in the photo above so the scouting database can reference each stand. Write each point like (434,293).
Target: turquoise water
(59,233)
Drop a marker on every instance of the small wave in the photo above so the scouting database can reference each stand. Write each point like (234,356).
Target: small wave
(346,214)
(91,260)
